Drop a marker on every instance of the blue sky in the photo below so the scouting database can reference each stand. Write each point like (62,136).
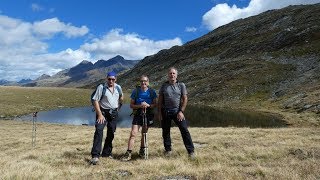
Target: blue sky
(46,36)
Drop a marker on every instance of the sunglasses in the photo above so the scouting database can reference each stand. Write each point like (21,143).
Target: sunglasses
(111,79)
(142,80)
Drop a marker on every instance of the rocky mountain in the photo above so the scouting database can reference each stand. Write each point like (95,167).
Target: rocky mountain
(4,82)
(272,58)
(14,83)
(84,73)
(43,76)
(24,81)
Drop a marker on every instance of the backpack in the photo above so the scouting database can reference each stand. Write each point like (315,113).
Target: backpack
(149,110)
(103,92)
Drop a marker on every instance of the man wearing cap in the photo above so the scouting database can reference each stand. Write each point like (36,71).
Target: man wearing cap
(106,107)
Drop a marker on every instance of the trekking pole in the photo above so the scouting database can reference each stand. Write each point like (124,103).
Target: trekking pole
(145,134)
(34,128)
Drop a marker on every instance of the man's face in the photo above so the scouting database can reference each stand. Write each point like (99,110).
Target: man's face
(111,80)
(172,75)
(144,82)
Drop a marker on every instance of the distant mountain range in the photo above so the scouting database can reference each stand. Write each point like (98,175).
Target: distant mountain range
(80,75)
(4,82)
(273,57)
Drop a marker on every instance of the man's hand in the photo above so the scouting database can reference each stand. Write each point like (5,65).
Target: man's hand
(180,116)
(101,119)
(119,107)
(145,105)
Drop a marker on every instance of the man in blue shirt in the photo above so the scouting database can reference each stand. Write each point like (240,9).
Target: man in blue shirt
(142,99)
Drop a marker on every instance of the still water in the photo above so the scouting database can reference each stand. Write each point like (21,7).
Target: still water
(197,117)
(78,116)
(210,117)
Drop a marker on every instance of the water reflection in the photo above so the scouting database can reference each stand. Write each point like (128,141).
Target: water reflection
(79,116)
(197,117)
(210,117)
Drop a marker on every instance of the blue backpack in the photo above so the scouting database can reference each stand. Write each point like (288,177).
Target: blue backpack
(103,93)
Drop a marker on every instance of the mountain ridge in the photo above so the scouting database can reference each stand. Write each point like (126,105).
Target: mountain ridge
(270,57)
(84,73)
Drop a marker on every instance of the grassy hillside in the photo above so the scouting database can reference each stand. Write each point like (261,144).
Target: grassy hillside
(269,62)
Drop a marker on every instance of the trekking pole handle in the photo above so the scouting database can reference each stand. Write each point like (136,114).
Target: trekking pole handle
(35,114)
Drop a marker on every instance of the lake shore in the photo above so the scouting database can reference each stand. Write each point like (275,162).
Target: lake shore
(17,101)
(63,151)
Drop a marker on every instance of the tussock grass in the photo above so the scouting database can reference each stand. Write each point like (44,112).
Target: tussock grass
(63,152)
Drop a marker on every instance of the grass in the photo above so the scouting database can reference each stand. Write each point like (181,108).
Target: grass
(63,151)
(17,101)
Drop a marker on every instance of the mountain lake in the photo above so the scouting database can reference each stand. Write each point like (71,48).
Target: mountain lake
(197,117)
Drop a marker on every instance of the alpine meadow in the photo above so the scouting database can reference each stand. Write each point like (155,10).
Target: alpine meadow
(268,63)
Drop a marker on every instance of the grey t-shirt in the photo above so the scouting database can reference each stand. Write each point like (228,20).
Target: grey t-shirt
(172,94)
(108,100)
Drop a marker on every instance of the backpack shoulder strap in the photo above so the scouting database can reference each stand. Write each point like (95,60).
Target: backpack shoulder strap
(180,86)
(152,92)
(119,90)
(136,95)
(104,89)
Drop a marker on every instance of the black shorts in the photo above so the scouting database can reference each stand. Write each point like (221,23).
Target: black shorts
(138,119)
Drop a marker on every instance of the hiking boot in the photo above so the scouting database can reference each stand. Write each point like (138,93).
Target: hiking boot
(142,152)
(107,156)
(94,161)
(126,157)
(167,153)
(192,156)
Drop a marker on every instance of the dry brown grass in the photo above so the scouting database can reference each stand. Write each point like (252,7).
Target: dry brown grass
(294,119)
(22,100)
(16,101)
(63,152)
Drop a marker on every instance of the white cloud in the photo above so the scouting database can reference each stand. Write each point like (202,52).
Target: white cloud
(223,14)
(33,65)
(130,46)
(16,37)
(190,29)
(24,53)
(36,7)
(49,27)
(24,47)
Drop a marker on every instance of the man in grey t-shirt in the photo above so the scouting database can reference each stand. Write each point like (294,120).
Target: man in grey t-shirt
(171,105)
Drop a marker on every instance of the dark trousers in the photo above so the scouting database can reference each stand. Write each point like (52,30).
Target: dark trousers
(183,127)
(98,136)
